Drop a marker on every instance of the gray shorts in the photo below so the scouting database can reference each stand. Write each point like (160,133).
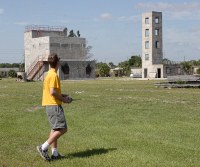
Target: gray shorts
(56,117)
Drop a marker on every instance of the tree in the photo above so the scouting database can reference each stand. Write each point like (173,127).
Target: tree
(126,67)
(111,65)
(71,34)
(12,73)
(103,69)
(198,71)
(187,67)
(135,61)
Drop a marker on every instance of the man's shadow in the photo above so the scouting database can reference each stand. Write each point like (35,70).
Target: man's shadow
(89,152)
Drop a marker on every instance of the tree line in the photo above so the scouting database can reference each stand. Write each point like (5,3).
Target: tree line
(103,69)
(10,65)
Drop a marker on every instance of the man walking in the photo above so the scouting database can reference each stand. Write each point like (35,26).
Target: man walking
(52,99)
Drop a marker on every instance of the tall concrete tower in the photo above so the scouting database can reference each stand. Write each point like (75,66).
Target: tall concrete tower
(152,45)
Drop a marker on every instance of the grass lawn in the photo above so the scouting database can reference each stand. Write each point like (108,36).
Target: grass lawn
(112,123)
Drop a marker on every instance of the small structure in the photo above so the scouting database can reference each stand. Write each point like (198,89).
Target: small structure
(21,76)
(195,68)
(41,41)
(136,72)
(117,72)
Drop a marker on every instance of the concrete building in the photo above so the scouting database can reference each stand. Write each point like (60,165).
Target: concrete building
(152,45)
(40,41)
(153,65)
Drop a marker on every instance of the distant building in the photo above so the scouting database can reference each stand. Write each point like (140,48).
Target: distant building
(195,68)
(152,49)
(4,71)
(40,41)
(152,45)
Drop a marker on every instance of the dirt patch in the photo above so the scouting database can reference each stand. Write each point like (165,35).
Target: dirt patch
(34,108)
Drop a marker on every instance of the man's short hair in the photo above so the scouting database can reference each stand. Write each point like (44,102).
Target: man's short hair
(53,59)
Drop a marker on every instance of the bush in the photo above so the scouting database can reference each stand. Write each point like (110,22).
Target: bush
(198,71)
(181,82)
(12,73)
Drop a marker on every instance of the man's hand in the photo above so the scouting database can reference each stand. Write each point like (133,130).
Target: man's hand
(66,99)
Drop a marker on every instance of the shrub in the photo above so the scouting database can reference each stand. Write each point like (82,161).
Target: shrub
(198,71)
(181,82)
(12,73)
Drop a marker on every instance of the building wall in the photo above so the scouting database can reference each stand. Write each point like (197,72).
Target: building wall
(35,48)
(39,44)
(77,69)
(68,47)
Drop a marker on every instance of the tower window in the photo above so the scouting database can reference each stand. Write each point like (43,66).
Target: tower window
(146,20)
(146,56)
(157,44)
(146,32)
(146,44)
(156,32)
(156,20)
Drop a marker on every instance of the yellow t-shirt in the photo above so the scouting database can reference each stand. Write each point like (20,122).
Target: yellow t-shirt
(51,81)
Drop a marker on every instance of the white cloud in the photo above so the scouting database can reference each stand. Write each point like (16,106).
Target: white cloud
(175,7)
(1,11)
(106,16)
(178,11)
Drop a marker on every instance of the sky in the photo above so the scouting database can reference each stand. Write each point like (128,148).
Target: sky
(111,27)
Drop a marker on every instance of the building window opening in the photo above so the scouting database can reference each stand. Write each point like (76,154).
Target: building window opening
(146,44)
(156,20)
(147,33)
(147,20)
(65,68)
(157,44)
(156,32)
(88,70)
(146,57)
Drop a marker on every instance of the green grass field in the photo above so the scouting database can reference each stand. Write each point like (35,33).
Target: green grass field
(112,123)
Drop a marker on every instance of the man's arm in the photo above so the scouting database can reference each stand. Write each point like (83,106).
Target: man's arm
(58,95)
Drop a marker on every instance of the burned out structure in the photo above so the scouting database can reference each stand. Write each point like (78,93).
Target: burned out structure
(40,41)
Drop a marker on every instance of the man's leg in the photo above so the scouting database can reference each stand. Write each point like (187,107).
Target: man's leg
(54,114)
(54,135)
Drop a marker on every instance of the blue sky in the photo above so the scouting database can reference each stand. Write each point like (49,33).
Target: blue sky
(111,27)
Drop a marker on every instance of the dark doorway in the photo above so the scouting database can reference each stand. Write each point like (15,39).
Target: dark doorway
(88,70)
(158,73)
(145,73)
(65,68)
